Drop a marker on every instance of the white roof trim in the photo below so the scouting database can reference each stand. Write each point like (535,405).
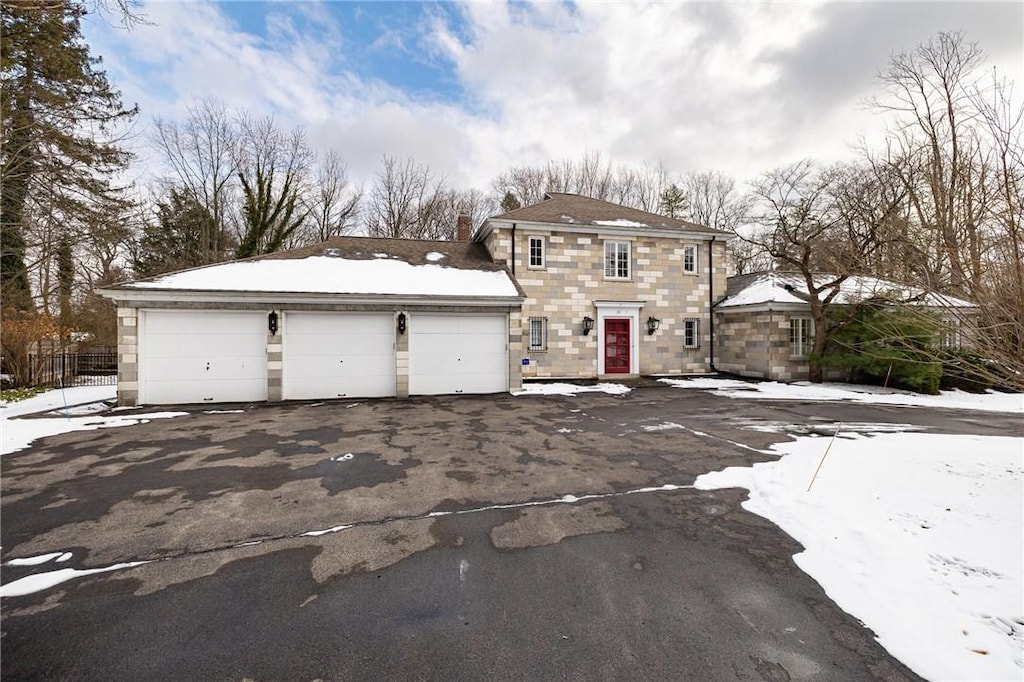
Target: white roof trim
(605,230)
(145,296)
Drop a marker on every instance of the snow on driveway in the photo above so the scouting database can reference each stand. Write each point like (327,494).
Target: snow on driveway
(18,434)
(920,536)
(990,401)
(570,389)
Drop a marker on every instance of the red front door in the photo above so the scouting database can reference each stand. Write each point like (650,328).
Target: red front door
(616,346)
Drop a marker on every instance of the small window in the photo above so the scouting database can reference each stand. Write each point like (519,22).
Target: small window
(691,333)
(801,336)
(616,260)
(538,333)
(537,252)
(690,258)
(950,335)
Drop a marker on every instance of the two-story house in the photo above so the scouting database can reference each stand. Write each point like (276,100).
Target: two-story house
(610,291)
(569,287)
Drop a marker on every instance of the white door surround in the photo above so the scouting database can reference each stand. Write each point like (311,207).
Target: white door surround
(619,309)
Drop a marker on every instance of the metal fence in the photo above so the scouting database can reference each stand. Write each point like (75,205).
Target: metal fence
(73,369)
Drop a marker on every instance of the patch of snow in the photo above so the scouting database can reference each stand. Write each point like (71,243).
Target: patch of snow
(667,426)
(620,222)
(44,581)
(989,402)
(57,398)
(343,458)
(920,536)
(571,389)
(325,531)
(36,560)
(322,274)
(434,256)
(563,429)
(223,411)
(18,434)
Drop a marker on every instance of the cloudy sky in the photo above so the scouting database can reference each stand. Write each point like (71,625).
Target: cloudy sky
(472,88)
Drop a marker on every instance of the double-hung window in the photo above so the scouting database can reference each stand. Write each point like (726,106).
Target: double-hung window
(536,252)
(801,336)
(616,260)
(691,333)
(690,258)
(538,333)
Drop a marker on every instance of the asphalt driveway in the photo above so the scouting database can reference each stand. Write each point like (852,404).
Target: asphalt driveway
(448,538)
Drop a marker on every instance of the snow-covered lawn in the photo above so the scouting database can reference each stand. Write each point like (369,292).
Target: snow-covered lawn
(991,401)
(570,389)
(920,536)
(18,434)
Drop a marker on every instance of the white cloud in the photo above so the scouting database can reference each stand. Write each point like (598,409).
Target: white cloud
(736,87)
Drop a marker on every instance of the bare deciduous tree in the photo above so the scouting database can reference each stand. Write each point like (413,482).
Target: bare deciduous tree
(202,153)
(333,201)
(406,202)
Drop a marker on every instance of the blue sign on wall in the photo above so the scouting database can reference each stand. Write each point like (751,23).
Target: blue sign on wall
(526,361)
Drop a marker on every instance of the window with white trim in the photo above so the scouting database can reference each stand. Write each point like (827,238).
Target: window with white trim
(949,337)
(691,333)
(537,253)
(616,260)
(538,333)
(801,336)
(690,258)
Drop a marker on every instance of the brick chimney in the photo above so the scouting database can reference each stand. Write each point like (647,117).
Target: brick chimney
(463,228)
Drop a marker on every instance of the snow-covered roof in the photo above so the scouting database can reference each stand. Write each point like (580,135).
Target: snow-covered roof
(352,266)
(786,288)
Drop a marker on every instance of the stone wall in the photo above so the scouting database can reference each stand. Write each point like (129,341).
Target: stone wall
(756,344)
(564,292)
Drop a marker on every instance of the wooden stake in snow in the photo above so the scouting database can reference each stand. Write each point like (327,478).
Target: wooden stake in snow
(840,426)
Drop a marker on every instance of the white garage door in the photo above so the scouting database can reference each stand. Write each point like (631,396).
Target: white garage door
(458,354)
(202,356)
(339,355)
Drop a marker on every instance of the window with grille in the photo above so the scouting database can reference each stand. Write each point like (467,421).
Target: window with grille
(538,333)
(536,252)
(801,336)
(616,260)
(690,258)
(691,333)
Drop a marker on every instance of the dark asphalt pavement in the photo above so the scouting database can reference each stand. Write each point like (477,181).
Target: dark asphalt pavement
(670,584)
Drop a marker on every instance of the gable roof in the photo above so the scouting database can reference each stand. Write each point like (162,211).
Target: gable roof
(575,209)
(350,266)
(772,287)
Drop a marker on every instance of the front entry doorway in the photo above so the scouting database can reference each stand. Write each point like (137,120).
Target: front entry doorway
(616,345)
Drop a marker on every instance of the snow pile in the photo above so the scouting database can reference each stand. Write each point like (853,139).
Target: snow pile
(18,434)
(990,401)
(329,275)
(920,536)
(571,389)
(620,222)
(771,288)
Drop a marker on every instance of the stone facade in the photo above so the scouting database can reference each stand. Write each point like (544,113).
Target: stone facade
(564,291)
(128,338)
(756,344)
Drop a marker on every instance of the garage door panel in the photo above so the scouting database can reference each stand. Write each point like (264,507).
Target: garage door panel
(331,355)
(458,354)
(196,356)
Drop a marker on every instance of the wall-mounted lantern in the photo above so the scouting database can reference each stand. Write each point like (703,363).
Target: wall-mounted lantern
(401,323)
(272,322)
(588,324)
(652,325)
